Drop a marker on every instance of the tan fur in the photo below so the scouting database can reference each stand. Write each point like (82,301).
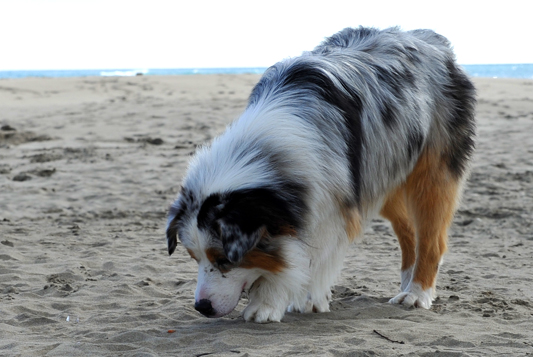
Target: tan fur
(431,194)
(191,253)
(255,258)
(258,259)
(395,210)
(213,254)
(352,221)
(287,231)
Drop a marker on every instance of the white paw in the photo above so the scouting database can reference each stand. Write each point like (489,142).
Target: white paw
(301,307)
(310,304)
(262,313)
(321,308)
(414,296)
(322,304)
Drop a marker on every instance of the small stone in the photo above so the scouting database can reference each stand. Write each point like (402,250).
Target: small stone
(22,177)
(7,128)
(156,141)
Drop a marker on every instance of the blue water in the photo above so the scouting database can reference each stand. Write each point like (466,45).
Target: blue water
(483,70)
(127,72)
(500,70)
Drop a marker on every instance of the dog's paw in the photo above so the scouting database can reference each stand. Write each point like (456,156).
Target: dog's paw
(310,304)
(300,307)
(322,306)
(263,313)
(414,296)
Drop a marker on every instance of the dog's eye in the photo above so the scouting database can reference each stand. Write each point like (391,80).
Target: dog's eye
(223,264)
(223,261)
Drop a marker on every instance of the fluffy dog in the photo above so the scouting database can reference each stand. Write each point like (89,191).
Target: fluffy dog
(368,122)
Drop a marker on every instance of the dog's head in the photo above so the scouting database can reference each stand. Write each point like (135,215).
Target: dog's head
(236,237)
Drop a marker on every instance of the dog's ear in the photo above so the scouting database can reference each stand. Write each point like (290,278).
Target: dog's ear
(242,222)
(172,239)
(239,237)
(174,216)
(239,219)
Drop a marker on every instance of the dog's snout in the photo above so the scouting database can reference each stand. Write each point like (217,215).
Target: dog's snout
(204,307)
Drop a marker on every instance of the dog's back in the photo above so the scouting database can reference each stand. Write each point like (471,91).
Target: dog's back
(394,57)
(392,94)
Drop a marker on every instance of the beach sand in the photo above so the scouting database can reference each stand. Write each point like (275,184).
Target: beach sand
(89,166)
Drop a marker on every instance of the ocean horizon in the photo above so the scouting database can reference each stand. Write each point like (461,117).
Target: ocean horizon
(482,70)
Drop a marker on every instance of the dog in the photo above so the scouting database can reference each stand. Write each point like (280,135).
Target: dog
(369,122)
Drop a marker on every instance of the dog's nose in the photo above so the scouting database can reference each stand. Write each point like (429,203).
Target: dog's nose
(204,307)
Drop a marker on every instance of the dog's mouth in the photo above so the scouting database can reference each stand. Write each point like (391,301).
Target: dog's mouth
(249,288)
(245,290)
(206,308)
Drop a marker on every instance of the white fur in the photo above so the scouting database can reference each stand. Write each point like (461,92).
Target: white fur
(415,296)
(272,293)
(223,290)
(411,293)
(327,257)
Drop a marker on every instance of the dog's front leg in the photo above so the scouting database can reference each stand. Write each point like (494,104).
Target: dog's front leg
(271,294)
(268,302)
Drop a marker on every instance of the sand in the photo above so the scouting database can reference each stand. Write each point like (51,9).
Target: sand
(88,167)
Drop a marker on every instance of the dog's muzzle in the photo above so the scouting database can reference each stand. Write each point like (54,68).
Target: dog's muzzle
(205,308)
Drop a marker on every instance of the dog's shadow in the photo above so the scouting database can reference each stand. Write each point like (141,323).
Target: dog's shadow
(348,305)
(353,318)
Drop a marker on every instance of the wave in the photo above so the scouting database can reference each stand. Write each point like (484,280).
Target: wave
(124,73)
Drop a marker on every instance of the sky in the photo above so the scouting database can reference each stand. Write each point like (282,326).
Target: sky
(118,34)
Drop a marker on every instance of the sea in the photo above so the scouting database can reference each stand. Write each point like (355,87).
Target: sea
(474,70)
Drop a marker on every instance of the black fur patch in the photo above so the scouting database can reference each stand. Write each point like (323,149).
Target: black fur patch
(172,230)
(209,212)
(462,124)
(178,211)
(306,76)
(414,143)
(396,84)
(240,218)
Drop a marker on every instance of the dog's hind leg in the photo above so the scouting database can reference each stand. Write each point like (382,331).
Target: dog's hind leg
(431,193)
(395,210)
